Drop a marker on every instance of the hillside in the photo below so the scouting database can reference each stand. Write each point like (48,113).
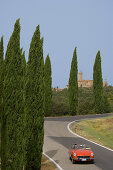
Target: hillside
(85,101)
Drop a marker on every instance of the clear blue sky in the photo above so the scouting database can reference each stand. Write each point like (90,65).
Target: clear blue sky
(64,24)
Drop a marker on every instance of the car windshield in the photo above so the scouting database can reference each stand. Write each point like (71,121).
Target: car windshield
(87,147)
(82,147)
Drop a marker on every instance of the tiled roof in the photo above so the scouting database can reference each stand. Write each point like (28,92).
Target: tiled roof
(84,80)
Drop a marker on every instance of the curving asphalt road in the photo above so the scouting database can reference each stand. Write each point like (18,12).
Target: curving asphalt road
(57,141)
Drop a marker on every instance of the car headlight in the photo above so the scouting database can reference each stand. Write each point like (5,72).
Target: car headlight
(92,154)
(74,154)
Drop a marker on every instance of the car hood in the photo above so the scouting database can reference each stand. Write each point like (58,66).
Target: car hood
(83,152)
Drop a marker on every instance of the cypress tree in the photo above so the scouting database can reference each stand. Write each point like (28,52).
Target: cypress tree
(23,61)
(98,85)
(13,117)
(1,83)
(48,88)
(73,86)
(23,67)
(34,102)
(1,76)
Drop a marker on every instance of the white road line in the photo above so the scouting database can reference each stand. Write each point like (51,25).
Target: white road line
(53,161)
(68,127)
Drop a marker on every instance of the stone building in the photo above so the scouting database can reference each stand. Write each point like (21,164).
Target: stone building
(86,83)
(58,89)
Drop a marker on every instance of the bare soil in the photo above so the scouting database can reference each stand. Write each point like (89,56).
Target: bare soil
(47,165)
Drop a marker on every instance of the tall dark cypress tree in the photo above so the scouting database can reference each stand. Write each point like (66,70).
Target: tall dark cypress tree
(23,67)
(1,76)
(1,82)
(98,85)
(13,117)
(73,85)
(34,103)
(23,61)
(48,88)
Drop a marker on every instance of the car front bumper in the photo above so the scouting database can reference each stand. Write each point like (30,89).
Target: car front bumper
(83,159)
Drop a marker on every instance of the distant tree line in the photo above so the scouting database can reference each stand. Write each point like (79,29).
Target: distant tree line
(86,106)
(25,98)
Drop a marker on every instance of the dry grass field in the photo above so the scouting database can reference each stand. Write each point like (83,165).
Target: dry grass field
(97,130)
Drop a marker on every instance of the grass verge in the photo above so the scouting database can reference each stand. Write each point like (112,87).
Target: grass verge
(97,130)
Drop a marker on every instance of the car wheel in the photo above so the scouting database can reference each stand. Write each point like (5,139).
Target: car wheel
(73,161)
(92,162)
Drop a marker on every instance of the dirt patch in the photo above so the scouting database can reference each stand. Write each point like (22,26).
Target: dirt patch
(46,164)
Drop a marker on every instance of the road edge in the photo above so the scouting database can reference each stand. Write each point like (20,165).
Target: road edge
(68,127)
(58,166)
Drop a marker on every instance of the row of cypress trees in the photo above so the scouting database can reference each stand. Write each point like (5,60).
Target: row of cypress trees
(23,102)
(97,85)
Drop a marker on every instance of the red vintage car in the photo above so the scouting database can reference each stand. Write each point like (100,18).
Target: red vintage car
(81,153)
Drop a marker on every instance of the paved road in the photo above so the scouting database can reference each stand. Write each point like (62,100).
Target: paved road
(58,139)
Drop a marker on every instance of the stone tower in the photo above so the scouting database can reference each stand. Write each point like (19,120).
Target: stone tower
(80,76)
